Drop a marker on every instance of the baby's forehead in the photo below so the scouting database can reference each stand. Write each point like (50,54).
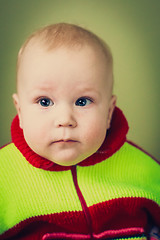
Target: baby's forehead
(36,52)
(35,48)
(65,35)
(68,36)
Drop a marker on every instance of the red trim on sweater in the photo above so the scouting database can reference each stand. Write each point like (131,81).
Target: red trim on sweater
(107,219)
(116,136)
(83,202)
(51,236)
(107,234)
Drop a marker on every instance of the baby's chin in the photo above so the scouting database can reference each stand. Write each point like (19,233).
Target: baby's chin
(67,160)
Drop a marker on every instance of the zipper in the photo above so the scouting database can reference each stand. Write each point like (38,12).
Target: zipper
(83,202)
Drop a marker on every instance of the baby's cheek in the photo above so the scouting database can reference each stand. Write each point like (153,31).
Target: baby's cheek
(96,134)
(34,135)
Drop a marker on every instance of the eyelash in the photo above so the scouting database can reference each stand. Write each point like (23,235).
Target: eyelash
(81,102)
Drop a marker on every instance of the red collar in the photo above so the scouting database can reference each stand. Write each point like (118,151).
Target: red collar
(116,136)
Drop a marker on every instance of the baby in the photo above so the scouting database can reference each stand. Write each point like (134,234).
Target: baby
(69,172)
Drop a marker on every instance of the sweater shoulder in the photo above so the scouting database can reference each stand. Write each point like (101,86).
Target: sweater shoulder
(10,159)
(140,154)
(7,153)
(138,162)
(6,150)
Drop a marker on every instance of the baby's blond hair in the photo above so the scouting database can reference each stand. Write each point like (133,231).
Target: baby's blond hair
(68,35)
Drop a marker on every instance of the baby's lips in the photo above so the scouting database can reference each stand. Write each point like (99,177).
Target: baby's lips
(65,140)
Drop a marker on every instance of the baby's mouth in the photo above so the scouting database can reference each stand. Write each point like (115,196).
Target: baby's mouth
(65,141)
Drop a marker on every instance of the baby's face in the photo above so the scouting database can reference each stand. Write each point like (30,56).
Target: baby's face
(64,102)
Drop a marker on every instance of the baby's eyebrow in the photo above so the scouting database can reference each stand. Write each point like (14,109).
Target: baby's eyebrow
(36,90)
(83,90)
(45,86)
(89,90)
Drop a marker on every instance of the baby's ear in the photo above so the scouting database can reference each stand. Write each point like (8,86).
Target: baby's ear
(111,110)
(17,106)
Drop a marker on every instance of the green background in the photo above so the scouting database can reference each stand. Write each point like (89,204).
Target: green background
(130,27)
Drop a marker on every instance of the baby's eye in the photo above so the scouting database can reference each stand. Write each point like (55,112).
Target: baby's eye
(83,101)
(45,102)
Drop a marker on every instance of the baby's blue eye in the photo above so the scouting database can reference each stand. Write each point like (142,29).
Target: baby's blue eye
(82,102)
(45,102)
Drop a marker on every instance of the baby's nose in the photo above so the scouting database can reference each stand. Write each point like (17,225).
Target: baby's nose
(66,123)
(65,118)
